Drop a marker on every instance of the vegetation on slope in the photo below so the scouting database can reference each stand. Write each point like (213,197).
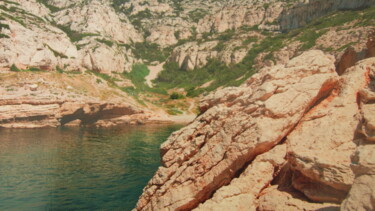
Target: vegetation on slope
(236,74)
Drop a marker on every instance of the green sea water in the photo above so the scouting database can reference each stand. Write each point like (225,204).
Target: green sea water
(77,168)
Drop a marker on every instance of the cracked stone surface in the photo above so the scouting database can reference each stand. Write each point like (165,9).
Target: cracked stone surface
(320,146)
(362,194)
(207,154)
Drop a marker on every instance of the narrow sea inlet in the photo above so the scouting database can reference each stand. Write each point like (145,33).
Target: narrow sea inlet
(78,168)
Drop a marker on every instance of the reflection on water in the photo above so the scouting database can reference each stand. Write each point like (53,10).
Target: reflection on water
(73,168)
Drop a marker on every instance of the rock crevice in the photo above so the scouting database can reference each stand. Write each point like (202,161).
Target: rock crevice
(284,137)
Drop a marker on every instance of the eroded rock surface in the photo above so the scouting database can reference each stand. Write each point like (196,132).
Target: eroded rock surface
(208,153)
(281,141)
(31,100)
(321,145)
(362,194)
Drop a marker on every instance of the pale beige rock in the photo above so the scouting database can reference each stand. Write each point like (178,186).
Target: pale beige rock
(32,100)
(304,11)
(237,14)
(193,55)
(202,157)
(241,193)
(33,46)
(98,17)
(371,45)
(284,199)
(321,145)
(163,36)
(362,194)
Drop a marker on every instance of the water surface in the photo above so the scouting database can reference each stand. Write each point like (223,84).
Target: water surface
(76,168)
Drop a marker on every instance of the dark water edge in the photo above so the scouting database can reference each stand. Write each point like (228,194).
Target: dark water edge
(78,168)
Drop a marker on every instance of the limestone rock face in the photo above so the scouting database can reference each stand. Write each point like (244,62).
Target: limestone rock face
(321,145)
(163,36)
(300,14)
(30,100)
(106,59)
(194,55)
(371,45)
(207,154)
(362,194)
(191,55)
(282,141)
(241,193)
(33,42)
(74,38)
(98,17)
(244,13)
(274,198)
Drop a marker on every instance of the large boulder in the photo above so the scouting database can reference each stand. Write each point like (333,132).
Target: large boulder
(362,194)
(319,148)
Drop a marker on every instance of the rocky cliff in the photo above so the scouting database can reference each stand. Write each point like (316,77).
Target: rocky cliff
(281,141)
(102,35)
(199,45)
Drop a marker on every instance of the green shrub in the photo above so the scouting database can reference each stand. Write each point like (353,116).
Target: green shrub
(14,68)
(106,42)
(176,96)
(174,111)
(150,52)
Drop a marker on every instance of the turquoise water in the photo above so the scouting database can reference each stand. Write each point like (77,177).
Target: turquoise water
(78,169)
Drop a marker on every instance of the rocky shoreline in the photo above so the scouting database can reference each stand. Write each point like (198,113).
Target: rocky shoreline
(48,99)
(281,141)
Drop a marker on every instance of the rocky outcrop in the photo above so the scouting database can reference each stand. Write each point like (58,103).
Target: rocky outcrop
(98,17)
(32,42)
(88,37)
(362,194)
(282,140)
(30,100)
(192,55)
(35,114)
(207,154)
(242,192)
(371,45)
(347,60)
(303,13)
(242,13)
(321,145)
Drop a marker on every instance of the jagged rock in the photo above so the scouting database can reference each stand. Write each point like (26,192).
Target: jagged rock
(192,55)
(34,7)
(301,14)
(35,43)
(241,193)
(163,36)
(362,194)
(319,148)
(235,15)
(30,100)
(207,154)
(347,60)
(274,198)
(105,59)
(98,17)
(371,45)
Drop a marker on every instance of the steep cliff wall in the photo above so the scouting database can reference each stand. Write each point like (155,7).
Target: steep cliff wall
(303,13)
